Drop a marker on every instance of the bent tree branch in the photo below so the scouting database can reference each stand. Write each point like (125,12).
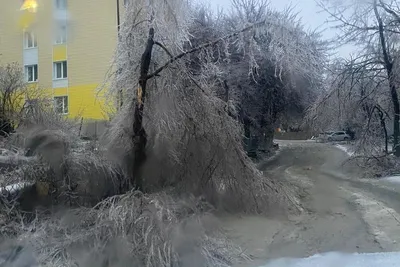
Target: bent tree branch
(200,47)
(139,138)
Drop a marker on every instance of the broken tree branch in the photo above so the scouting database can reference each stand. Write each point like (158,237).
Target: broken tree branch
(139,137)
(164,48)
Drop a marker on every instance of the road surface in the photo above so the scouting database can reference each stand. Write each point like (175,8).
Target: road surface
(341,211)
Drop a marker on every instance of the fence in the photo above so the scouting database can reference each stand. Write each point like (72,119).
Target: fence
(92,129)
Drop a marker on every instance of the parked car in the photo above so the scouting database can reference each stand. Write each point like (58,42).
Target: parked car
(322,137)
(338,136)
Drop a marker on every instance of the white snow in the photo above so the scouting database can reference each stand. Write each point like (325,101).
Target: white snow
(15,159)
(346,149)
(382,221)
(350,148)
(334,259)
(13,187)
(393,179)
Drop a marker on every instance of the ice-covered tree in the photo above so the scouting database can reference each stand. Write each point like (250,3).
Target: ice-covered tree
(372,26)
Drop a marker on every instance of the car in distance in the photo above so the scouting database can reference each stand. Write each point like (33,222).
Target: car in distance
(338,136)
(323,136)
(333,136)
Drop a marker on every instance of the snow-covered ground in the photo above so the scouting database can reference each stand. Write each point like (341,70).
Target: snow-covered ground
(392,179)
(381,224)
(348,148)
(334,259)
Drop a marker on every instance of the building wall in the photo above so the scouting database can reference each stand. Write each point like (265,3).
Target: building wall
(91,41)
(10,32)
(93,33)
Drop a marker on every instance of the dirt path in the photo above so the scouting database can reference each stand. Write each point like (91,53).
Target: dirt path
(341,211)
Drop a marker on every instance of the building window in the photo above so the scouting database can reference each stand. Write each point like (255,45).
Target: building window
(60,70)
(61,104)
(31,73)
(61,35)
(31,106)
(30,40)
(61,4)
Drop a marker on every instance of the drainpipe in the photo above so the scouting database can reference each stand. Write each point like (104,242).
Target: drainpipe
(118,17)
(119,27)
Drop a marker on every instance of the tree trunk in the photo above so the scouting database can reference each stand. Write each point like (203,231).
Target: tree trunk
(389,70)
(383,125)
(226,93)
(139,137)
(396,124)
(247,134)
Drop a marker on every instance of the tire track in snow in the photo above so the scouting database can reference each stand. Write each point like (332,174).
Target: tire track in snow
(383,222)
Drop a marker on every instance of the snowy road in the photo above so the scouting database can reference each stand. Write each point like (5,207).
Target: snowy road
(341,212)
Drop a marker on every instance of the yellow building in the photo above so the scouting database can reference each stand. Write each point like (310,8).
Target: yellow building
(65,47)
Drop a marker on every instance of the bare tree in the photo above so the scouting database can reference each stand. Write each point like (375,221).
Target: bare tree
(374,26)
(173,117)
(277,84)
(12,92)
(356,101)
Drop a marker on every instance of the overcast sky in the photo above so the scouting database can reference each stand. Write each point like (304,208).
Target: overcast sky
(312,16)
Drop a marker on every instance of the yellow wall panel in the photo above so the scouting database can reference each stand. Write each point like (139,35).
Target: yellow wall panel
(26,19)
(34,91)
(60,91)
(32,87)
(59,53)
(39,93)
(84,101)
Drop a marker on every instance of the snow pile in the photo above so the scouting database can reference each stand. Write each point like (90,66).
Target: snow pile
(333,259)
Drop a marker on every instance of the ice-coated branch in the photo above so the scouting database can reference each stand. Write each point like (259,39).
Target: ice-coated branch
(202,46)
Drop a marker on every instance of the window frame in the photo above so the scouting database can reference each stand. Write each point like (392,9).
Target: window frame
(64,102)
(57,5)
(30,105)
(61,35)
(35,74)
(62,70)
(33,39)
